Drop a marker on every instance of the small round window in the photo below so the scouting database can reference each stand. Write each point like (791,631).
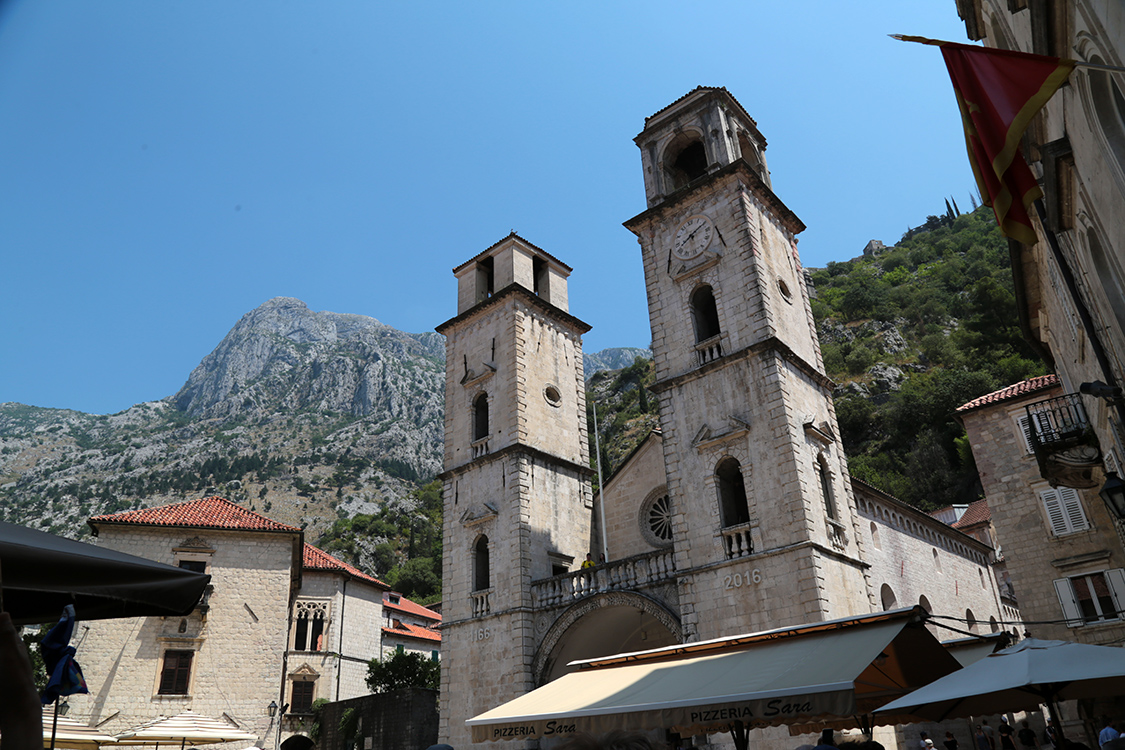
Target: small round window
(551,393)
(784,290)
(656,519)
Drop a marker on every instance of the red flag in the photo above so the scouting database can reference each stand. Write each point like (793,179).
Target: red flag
(999,92)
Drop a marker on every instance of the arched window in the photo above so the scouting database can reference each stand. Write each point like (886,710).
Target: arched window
(875,535)
(685,160)
(481,580)
(937,560)
(1109,108)
(732,493)
(980,571)
(888,597)
(826,487)
(704,314)
(971,620)
(924,603)
(993,625)
(749,153)
(480,417)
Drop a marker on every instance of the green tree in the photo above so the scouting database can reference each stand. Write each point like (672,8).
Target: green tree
(403,670)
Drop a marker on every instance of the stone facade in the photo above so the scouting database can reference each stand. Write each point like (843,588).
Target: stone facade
(516,485)
(282,622)
(737,515)
(1070,288)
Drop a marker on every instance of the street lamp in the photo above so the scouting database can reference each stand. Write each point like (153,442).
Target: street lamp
(1113,493)
(272,708)
(63,708)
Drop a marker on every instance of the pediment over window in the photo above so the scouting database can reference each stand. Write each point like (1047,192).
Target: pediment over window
(479,514)
(822,432)
(472,376)
(736,427)
(195,543)
(304,672)
(682,269)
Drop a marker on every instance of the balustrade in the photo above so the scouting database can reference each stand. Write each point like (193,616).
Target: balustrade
(481,602)
(710,349)
(618,575)
(737,541)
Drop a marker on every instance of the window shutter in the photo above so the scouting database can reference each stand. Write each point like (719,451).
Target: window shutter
(1024,423)
(1116,580)
(1072,508)
(1069,603)
(1055,514)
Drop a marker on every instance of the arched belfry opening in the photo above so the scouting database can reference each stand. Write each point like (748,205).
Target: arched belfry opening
(749,153)
(480,417)
(704,314)
(481,578)
(733,506)
(685,160)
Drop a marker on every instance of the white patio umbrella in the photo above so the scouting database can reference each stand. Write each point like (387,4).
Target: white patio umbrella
(73,734)
(1019,678)
(188,728)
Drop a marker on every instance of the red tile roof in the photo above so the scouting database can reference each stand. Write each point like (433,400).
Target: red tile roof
(317,559)
(1023,388)
(976,513)
(406,630)
(205,513)
(409,607)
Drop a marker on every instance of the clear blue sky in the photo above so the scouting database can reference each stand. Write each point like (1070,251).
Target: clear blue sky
(166,167)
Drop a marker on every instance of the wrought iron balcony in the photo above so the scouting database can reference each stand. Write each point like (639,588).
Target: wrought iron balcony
(1064,445)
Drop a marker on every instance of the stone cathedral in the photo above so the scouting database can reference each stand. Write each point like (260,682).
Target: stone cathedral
(738,515)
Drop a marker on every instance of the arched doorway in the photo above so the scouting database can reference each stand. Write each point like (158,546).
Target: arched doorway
(612,623)
(297,742)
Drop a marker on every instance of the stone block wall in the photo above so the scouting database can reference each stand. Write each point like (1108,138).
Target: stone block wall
(239,646)
(1034,555)
(401,720)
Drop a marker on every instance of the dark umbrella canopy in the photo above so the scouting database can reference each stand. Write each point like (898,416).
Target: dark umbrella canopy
(41,573)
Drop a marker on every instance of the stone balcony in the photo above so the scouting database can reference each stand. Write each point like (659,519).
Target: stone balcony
(628,574)
(1064,444)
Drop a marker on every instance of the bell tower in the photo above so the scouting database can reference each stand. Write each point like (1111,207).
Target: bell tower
(517,478)
(764,523)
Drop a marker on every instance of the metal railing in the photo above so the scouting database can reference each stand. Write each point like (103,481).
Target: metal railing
(1056,421)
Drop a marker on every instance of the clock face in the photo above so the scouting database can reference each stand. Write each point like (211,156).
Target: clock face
(693,237)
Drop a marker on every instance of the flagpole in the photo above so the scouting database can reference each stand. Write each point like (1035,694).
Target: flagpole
(939,42)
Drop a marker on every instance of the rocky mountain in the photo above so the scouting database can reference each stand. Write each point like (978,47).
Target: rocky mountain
(614,358)
(308,416)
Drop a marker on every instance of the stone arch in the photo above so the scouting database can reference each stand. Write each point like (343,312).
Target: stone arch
(704,313)
(590,608)
(480,416)
(824,478)
(684,158)
(482,573)
(887,597)
(734,504)
(297,742)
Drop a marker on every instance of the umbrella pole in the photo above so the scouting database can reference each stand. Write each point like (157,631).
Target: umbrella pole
(1053,711)
(54,722)
(740,735)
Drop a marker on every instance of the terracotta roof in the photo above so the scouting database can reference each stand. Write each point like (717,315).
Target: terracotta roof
(406,630)
(976,513)
(317,559)
(1023,388)
(205,513)
(409,607)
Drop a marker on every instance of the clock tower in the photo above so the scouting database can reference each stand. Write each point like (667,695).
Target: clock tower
(764,522)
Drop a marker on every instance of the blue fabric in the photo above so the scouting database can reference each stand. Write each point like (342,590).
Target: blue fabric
(58,658)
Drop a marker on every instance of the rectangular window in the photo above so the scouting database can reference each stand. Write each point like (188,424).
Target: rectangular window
(1064,510)
(1092,597)
(301,699)
(433,656)
(399,649)
(176,673)
(196,566)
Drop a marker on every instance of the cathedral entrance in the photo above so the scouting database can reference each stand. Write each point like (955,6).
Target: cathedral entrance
(606,624)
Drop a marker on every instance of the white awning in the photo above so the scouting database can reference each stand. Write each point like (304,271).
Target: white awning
(824,672)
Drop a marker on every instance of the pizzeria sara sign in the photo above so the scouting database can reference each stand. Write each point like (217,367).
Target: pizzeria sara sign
(701,715)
